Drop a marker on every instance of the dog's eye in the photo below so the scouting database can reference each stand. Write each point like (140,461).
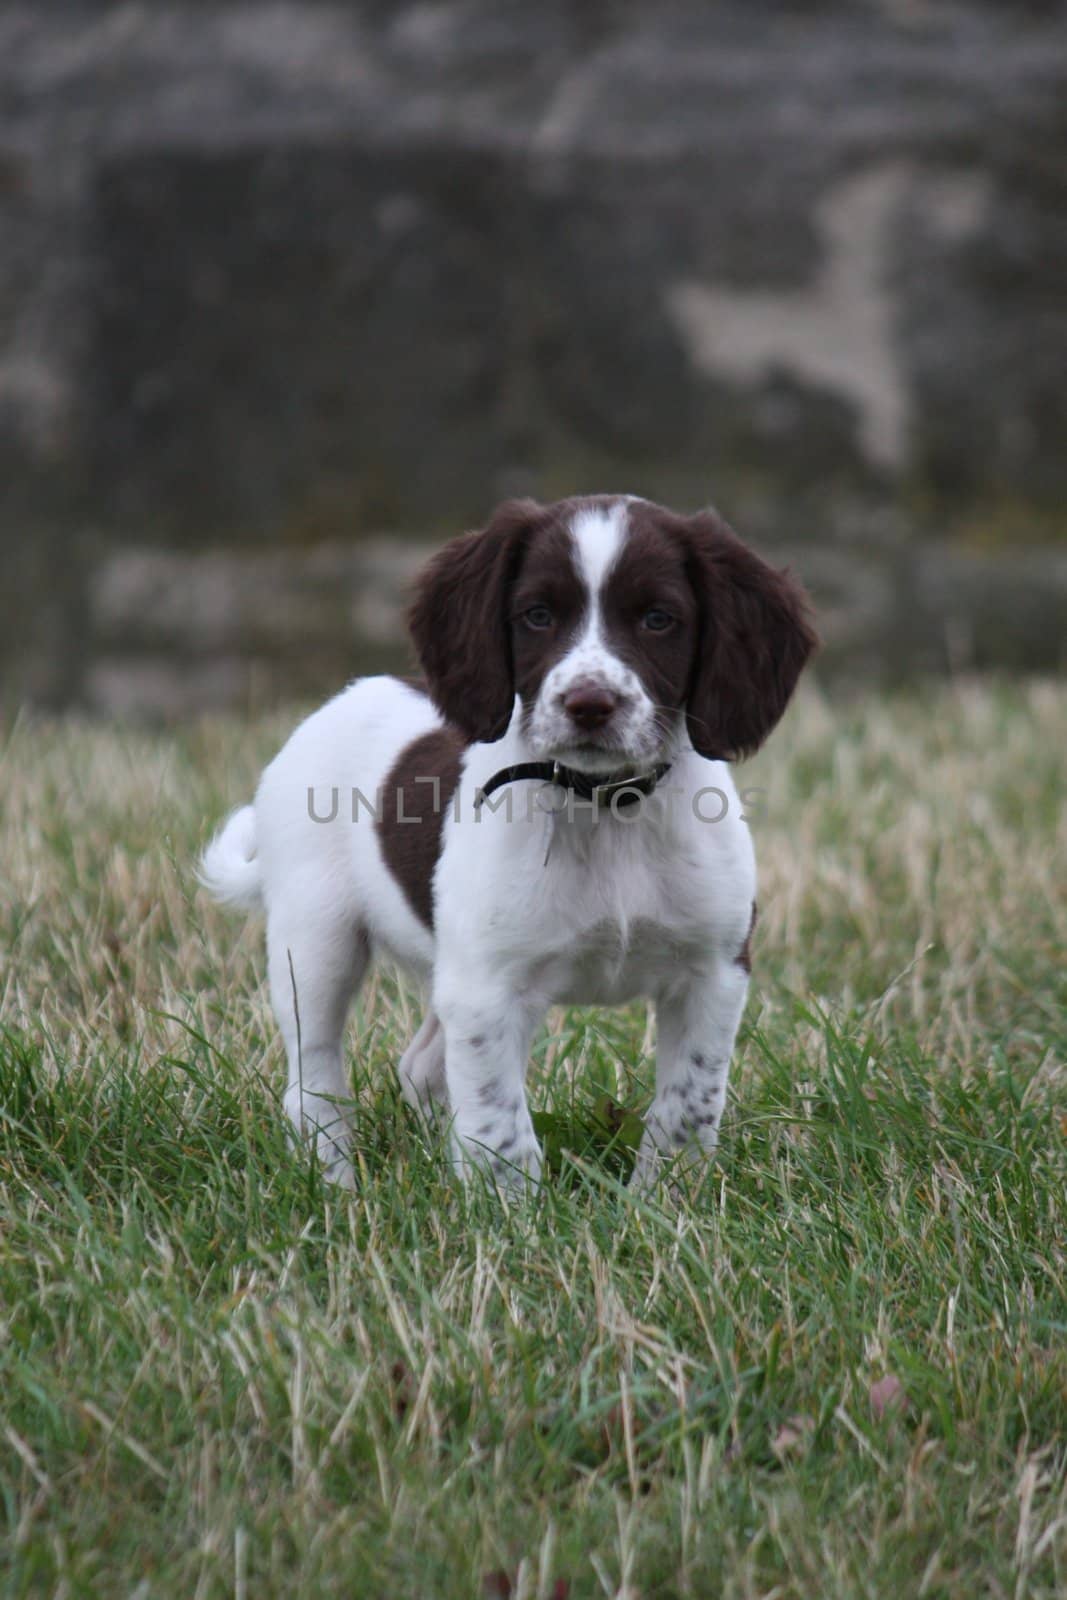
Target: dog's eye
(656,621)
(538,617)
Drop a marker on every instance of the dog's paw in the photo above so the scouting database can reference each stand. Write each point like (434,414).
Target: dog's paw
(514,1168)
(668,1176)
(322,1124)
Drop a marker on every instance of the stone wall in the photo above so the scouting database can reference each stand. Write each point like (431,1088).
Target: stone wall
(290,290)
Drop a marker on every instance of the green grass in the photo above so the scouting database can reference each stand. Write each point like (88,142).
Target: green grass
(218,1376)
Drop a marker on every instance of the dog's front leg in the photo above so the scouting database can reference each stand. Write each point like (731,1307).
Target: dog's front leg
(487,1039)
(697,1020)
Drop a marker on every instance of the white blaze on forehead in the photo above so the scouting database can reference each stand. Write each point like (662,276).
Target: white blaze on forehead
(598,534)
(598,537)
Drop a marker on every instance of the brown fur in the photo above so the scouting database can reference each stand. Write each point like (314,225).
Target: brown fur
(460,621)
(756,636)
(548,576)
(412,813)
(744,955)
(652,572)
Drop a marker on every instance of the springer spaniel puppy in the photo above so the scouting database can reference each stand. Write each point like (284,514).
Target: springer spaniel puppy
(551,821)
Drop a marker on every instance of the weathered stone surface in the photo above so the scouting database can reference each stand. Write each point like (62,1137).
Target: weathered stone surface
(274,273)
(172,633)
(971,610)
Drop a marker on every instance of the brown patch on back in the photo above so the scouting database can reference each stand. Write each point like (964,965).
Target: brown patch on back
(412,813)
(744,955)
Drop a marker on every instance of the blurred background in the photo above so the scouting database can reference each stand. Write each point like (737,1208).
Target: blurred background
(291,292)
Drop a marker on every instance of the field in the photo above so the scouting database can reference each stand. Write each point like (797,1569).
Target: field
(836,1368)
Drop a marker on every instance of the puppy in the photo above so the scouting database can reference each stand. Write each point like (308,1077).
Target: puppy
(551,821)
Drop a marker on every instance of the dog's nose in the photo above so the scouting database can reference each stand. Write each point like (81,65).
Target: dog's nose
(589,705)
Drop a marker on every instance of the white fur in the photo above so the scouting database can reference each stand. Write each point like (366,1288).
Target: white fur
(228,868)
(598,534)
(652,904)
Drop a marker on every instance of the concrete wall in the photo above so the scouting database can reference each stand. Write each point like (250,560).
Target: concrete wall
(288,291)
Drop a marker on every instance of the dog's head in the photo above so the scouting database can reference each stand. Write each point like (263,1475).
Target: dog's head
(617,623)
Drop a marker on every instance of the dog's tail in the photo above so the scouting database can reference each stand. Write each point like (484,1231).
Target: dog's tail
(229,870)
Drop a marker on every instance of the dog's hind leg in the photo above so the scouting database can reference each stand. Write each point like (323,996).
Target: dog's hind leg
(316,964)
(422,1067)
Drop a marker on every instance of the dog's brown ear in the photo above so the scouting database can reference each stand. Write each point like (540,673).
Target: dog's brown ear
(756,635)
(460,624)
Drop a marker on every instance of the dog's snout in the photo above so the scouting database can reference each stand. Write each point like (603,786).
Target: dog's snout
(589,705)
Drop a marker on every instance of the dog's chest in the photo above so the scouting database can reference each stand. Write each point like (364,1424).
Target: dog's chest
(592,939)
(610,963)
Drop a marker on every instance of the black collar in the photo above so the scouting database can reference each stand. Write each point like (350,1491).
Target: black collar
(605,792)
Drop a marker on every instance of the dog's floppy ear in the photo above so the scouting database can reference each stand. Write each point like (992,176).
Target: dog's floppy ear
(756,635)
(459,622)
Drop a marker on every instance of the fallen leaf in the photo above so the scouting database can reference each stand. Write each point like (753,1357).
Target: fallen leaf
(887,1395)
(792,1434)
(612,1429)
(403,1389)
(620,1122)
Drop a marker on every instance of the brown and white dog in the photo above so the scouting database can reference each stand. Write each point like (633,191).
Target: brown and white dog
(554,821)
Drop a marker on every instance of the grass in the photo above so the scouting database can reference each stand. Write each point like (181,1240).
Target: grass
(838,1368)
